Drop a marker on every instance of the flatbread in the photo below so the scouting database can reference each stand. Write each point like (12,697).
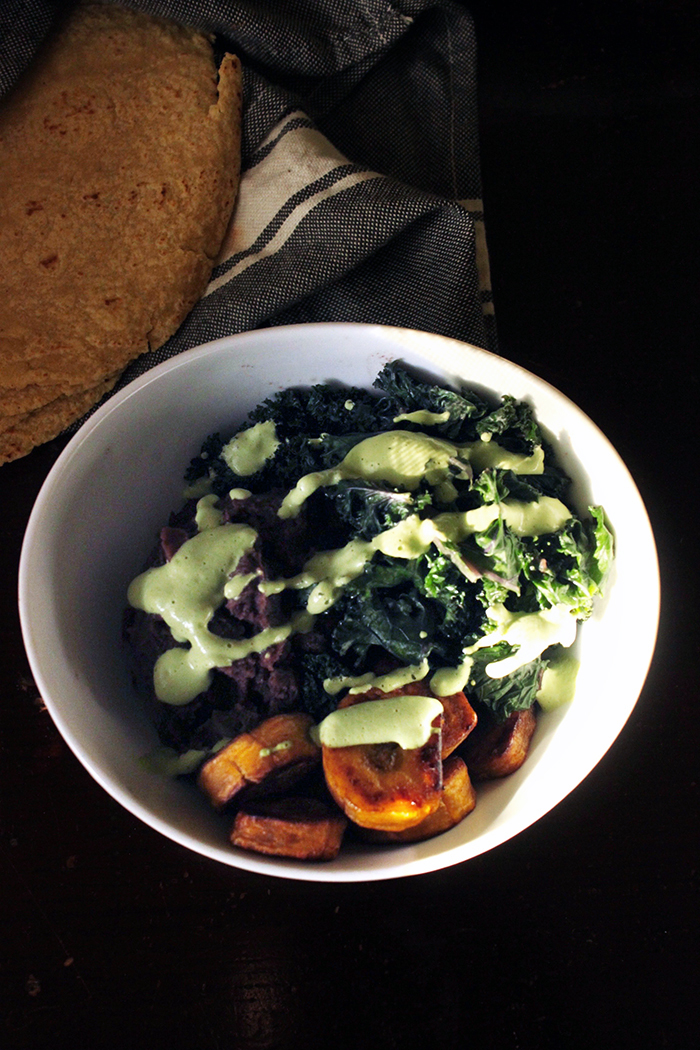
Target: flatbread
(19,436)
(120,160)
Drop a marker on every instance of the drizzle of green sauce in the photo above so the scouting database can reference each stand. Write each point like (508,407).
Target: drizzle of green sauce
(284,745)
(207,515)
(537,518)
(234,587)
(186,592)
(558,682)
(532,633)
(181,674)
(423,417)
(247,452)
(198,488)
(403,720)
(404,459)
(386,682)
(482,454)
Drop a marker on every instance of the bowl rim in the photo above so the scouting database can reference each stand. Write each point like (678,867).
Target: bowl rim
(256,863)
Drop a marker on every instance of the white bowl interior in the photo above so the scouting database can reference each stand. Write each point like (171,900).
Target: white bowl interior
(101,507)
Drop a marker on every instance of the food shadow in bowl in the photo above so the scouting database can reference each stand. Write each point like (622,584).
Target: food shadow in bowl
(99,513)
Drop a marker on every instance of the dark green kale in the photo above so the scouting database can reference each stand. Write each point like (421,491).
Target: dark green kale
(382,609)
(394,620)
(413,609)
(315,669)
(495,484)
(501,550)
(513,424)
(324,409)
(553,481)
(294,457)
(209,455)
(368,508)
(462,611)
(514,692)
(410,394)
(570,566)
(433,606)
(492,486)
(600,547)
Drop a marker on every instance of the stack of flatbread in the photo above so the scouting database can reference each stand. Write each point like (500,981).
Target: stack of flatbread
(119,162)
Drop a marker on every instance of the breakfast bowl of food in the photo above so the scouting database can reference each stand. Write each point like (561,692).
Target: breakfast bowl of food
(339,602)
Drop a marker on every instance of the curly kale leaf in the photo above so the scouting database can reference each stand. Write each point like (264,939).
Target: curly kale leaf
(411,394)
(324,409)
(495,484)
(294,457)
(601,545)
(409,608)
(397,622)
(492,486)
(462,611)
(369,508)
(202,465)
(382,608)
(315,669)
(513,424)
(570,566)
(502,553)
(514,692)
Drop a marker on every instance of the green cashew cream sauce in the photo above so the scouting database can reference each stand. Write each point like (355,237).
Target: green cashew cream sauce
(405,459)
(403,720)
(201,576)
(247,452)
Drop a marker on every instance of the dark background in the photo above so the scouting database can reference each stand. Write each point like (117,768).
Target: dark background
(582,931)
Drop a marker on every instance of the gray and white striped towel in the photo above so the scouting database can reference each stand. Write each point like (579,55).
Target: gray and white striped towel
(360,191)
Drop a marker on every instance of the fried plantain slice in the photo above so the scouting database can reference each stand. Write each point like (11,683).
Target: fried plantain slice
(500,749)
(302,828)
(457,801)
(459,719)
(269,759)
(384,786)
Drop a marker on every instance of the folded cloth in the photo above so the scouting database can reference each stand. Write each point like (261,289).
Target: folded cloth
(360,197)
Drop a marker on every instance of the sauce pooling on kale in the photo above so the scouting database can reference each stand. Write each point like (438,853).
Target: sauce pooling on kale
(436,537)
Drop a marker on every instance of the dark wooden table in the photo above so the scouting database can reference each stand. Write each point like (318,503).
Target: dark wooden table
(582,931)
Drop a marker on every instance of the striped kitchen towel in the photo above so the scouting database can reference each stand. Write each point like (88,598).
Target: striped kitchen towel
(360,197)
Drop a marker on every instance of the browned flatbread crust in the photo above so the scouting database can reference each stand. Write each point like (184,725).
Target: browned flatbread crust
(19,433)
(120,160)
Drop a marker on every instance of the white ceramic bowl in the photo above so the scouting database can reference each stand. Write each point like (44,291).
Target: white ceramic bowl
(112,488)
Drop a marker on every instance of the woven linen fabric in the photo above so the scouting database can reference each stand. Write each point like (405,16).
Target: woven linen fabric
(360,196)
